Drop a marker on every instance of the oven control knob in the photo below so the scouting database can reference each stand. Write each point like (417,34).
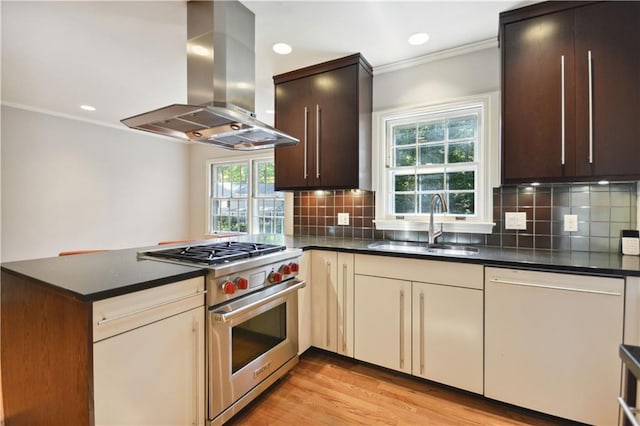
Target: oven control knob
(294,267)
(229,287)
(242,283)
(286,269)
(275,277)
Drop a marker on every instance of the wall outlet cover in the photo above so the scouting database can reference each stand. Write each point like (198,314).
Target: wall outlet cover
(343,218)
(570,222)
(513,220)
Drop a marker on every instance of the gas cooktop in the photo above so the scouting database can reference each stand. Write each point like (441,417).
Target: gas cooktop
(216,253)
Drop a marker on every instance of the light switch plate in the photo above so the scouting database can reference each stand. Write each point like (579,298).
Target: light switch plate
(570,222)
(513,220)
(343,218)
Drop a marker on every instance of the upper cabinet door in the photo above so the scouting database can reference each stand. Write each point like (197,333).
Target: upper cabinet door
(608,135)
(293,105)
(336,132)
(533,53)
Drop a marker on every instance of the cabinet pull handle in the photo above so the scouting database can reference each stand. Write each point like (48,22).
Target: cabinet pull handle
(589,65)
(148,308)
(306,127)
(629,412)
(422,333)
(344,307)
(196,328)
(318,141)
(327,304)
(554,287)
(401,329)
(562,100)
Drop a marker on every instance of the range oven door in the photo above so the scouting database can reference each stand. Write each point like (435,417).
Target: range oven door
(249,339)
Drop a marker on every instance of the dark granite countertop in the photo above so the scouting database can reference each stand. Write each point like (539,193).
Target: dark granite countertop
(96,276)
(608,264)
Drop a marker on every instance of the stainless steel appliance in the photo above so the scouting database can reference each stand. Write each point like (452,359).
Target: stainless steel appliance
(252,318)
(220,60)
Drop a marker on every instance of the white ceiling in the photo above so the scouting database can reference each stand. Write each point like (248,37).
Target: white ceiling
(128,57)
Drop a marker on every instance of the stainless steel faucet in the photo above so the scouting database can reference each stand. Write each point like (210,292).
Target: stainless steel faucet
(443,208)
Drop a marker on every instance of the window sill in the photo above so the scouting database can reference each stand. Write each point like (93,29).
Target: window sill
(413,225)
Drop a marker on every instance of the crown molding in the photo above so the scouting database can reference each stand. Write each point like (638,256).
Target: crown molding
(436,56)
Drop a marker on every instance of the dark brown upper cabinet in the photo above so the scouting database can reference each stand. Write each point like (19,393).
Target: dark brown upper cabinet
(328,107)
(571,92)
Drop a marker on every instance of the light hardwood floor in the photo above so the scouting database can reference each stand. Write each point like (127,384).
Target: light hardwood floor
(325,389)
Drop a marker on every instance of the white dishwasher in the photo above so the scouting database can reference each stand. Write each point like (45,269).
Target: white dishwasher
(551,342)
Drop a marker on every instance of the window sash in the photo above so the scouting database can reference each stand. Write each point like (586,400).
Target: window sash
(247,201)
(415,195)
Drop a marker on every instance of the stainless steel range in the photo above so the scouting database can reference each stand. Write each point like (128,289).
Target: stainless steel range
(252,318)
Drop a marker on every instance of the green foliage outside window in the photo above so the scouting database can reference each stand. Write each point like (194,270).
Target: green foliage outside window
(424,156)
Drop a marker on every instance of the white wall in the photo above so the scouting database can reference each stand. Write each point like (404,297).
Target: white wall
(440,78)
(68,184)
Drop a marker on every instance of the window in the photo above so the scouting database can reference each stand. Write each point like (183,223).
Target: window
(243,199)
(434,153)
(440,149)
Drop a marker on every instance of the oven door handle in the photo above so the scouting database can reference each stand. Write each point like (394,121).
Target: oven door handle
(228,316)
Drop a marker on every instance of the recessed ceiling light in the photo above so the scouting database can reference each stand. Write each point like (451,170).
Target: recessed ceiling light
(418,38)
(88,107)
(282,48)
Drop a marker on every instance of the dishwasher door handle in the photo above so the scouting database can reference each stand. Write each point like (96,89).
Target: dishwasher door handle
(553,287)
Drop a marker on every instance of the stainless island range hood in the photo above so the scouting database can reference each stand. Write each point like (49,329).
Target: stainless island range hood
(220,64)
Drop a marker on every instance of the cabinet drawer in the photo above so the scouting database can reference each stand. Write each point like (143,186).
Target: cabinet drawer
(427,271)
(119,314)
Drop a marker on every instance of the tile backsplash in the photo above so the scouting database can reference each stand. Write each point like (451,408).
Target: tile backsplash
(602,210)
(316,213)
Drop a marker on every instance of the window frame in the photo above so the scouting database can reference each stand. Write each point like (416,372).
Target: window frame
(486,161)
(252,198)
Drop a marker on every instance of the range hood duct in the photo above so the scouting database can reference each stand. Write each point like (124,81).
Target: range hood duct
(220,84)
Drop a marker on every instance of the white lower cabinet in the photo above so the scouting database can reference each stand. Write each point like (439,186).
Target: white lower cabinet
(421,317)
(332,301)
(552,342)
(448,335)
(148,357)
(382,322)
(304,304)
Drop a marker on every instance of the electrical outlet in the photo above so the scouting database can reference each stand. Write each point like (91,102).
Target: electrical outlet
(570,222)
(343,218)
(514,220)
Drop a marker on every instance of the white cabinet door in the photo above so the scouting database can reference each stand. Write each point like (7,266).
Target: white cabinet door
(448,335)
(345,304)
(152,375)
(551,342)
(332,301)
(304,304)
(324,308)
(382,322)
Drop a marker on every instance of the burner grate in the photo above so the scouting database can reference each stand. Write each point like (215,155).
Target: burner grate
(216,253)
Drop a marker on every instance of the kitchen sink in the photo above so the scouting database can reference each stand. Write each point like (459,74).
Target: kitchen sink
(452,249)
(407,247)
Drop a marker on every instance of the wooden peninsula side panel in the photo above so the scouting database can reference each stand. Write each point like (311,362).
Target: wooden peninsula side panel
(46,355)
